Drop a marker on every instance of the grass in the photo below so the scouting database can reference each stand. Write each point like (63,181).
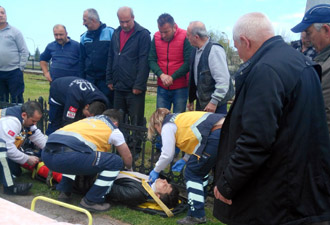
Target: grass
(36,86)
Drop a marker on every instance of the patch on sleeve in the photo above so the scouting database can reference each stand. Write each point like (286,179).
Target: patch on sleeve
(11,133)
(71,113)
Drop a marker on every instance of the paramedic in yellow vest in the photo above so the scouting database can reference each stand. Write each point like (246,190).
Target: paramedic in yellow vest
(197,134)
(83,148)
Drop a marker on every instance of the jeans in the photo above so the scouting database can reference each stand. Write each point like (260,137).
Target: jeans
(178,98)
(102,86)
(12,82)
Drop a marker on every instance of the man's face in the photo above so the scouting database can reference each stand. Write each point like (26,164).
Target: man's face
(318,38)
(305,40)
(162,186)
(191,38)
(87,22)
(126,21)
(167,32)
(3,16)
(60,35)
(29,121)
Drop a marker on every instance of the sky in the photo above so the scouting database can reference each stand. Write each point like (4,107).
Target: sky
(36,18)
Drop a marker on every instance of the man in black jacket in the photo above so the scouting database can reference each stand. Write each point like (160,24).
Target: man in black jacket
(127,189)
(128,69)
(274,159)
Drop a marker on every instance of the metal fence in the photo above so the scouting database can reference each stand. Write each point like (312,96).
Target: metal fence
(136,138)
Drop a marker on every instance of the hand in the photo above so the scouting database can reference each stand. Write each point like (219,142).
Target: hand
(178,166)
(48,77)
(219,196)
(153,176)
(190,106)
(210,107)
(110,86)
(32,160)
(137,91)
(166,79)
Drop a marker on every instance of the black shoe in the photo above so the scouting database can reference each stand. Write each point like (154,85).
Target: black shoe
(18,189)
(192,220)
(93,206)
(64,197)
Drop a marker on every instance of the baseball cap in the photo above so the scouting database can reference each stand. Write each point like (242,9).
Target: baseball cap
(317,14)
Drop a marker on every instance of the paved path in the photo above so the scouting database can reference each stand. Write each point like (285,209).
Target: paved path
(59,213)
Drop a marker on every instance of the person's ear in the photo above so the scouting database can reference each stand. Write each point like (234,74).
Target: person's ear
(115,123)
(86,107)
(245,42)
(24,115)
(157,194)
(326,28)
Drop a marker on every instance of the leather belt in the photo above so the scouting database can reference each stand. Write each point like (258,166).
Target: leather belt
(216,127)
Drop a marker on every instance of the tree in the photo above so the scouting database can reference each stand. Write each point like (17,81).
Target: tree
(37,54)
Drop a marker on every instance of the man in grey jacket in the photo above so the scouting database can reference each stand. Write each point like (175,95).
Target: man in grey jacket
(13,58)
(316,23)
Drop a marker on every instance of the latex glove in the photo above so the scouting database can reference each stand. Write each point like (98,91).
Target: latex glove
(153,176)
(178,166)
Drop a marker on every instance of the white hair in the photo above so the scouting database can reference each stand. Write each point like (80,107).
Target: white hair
(318,26)
(254,26)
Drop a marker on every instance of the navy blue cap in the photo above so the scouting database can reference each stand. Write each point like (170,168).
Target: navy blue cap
(317,14)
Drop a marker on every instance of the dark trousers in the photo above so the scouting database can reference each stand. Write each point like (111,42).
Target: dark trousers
(12,82)
(55,120)
(103,87)
(62,159)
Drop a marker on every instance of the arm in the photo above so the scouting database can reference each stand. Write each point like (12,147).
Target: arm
(168,148)
(219,72)
(117,139)
(143,66)
(44,67)
(109,79)
(259,122)
(82,58)
(22,49)
(37,137)
(152,59)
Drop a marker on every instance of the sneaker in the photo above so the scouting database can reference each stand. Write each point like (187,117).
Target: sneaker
(18,189)
(192,220)
(94,207)
(64,197)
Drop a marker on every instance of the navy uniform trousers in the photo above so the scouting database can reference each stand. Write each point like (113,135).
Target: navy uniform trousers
(196,175)
(62,159)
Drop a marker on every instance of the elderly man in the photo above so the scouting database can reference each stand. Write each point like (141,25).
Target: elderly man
(209,82)
(94,49)
(316,23)
(273,156)
(13,58)
(64,54)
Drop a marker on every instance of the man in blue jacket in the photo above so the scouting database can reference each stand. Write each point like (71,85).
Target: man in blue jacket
(128,69)
(71,99)
(64,53)
(94,48)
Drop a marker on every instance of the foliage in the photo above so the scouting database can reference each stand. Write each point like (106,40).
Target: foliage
(37,55)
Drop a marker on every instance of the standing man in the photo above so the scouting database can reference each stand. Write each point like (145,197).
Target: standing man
(84,148)
(72,99)
(128,69)
(209,82)
(13,121)
(94,48)
(273,157)
(13,58)
(316,23)
(169,60)
(64,53)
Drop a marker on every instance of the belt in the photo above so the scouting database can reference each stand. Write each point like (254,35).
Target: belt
(57,148)
(216,127)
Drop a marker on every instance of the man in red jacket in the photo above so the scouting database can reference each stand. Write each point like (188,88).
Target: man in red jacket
(169,60)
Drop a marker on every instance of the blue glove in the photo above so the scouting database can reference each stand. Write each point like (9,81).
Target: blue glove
(153,176)
(178,166)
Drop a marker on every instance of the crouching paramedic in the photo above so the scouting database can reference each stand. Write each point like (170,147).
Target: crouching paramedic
(197,134)
(81,148)
(13,121)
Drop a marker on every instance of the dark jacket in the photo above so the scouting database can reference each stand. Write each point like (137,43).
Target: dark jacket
(129,69)
(128,191)
(206,83)
(274,158)
(94,47)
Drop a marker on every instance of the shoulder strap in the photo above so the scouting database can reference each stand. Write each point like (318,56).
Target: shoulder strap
(152,194)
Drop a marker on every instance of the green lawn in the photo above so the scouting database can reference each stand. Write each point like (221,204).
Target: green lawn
(36,86)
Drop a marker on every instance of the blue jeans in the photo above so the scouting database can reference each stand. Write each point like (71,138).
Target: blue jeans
(12,82)
(178,98)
